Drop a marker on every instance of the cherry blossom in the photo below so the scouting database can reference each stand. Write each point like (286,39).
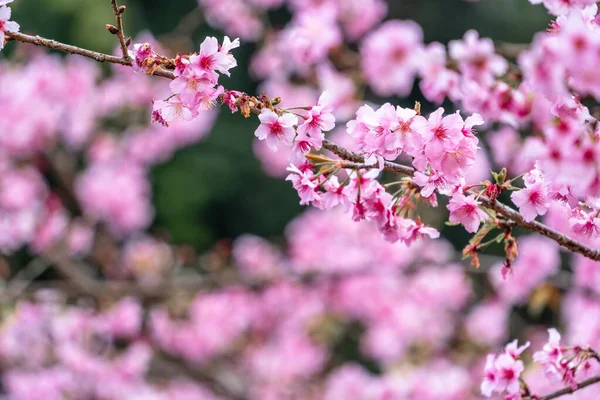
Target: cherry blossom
(276,128)
(465,210)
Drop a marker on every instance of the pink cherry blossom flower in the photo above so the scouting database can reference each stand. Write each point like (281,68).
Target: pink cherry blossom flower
(414,230)
(514,349)
(550,357)
(211,59)
(443,134)
(430,183)
(509,370)
(532,201)
(305,184)
(585,224)
(302,145)
(171,110)
(491,374)
(191,87)
(320,118)
(465,210)
(335,194)
(274,128)
(5,24)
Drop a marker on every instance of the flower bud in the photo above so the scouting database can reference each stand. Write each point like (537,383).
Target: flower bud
(112,29)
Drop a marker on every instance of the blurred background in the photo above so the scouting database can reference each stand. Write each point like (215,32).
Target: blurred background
(216,188)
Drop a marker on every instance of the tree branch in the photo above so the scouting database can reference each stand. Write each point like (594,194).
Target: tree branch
(67,48)
(120,34)
(569,390)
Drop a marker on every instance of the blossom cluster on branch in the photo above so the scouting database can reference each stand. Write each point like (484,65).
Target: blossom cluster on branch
(78,195)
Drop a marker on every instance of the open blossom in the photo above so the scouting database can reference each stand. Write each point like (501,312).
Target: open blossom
(502,372)
(305,184)
(550,356)
(532,201)
(274,128)
(465,210)
(5,24)
(191,86)
(320,119)
(564,363)
(443,134)
(387,131)
(212,59)
(171,110)
(585,224)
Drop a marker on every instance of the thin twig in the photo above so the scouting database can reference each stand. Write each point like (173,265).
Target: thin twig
(120,33)
(569,390)
(67,48)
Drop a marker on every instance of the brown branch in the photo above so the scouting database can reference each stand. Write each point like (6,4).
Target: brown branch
(564,240)
(569,390)
(120,34)
(357,158)
(67,48)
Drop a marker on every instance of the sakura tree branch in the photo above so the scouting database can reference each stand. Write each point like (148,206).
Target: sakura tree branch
(506,211)
(67,48)
(359,159)
(120,34)
(569,390)
(564,240)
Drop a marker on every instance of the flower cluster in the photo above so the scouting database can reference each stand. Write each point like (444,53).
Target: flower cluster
(565,363)
(568,365)
(195,87)
(502,372)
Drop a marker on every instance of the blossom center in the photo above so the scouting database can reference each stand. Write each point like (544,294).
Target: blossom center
(508,374)
(207,62)
(277,129)
(440,132)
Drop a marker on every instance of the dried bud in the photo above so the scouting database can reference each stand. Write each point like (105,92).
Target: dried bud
(492,191)
(122,9)
(112,29)
(473,252)
(418,108)
(510,247)
(128,42)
